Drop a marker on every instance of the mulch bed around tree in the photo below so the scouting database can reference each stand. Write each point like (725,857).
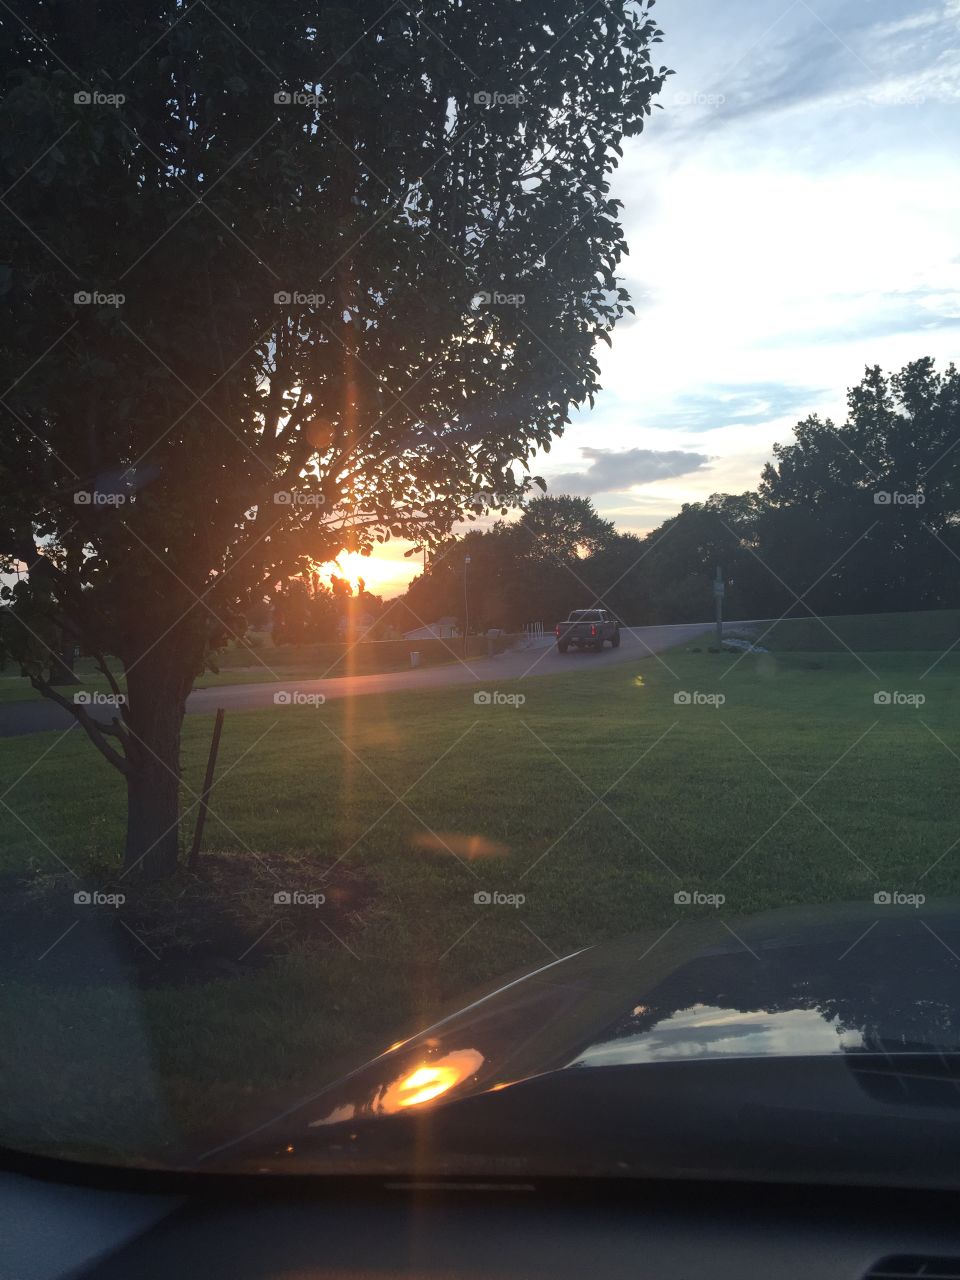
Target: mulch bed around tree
(222,922)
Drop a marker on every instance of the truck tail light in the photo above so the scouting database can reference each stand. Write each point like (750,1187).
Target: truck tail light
(593,631)
(558,629)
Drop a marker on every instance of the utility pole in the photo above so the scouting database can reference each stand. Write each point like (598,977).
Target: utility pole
(718,605)
(466,605)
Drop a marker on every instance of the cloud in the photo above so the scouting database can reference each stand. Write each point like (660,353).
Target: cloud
(837,58)
(615,471)
(747,402)
(913,312)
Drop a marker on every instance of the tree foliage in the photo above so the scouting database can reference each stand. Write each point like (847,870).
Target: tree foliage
(312,213)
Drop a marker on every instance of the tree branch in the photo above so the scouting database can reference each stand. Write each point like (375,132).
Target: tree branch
(95,729)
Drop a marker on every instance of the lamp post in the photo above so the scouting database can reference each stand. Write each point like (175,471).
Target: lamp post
(718,605)
(466,604)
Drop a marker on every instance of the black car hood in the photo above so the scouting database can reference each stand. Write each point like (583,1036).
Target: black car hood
(704,1046)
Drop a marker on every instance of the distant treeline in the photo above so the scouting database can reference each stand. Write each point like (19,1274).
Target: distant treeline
(857,517)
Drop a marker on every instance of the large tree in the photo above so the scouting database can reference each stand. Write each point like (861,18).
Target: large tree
(862,516)
(282,278)
(565,528)
(525,570)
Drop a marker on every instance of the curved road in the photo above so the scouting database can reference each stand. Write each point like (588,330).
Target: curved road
(516,664)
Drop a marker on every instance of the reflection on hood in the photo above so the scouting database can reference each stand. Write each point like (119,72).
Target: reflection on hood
(865,1010)
(705,1031)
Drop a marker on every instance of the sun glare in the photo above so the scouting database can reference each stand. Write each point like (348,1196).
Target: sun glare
(378,573)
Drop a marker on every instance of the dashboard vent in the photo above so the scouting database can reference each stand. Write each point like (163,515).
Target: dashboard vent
(915,1267)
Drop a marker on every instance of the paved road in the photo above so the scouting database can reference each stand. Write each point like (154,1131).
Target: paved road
(516,664)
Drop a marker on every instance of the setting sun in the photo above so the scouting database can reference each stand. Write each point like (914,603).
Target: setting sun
(384,573)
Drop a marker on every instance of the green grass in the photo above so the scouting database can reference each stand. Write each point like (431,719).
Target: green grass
(931,631)
(694,796)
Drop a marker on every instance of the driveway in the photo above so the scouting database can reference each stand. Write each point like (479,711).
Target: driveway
(516,664)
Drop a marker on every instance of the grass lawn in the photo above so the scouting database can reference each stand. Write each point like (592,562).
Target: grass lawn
(426,798)
(930,631)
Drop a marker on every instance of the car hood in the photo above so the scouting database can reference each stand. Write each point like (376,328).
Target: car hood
(619,1057)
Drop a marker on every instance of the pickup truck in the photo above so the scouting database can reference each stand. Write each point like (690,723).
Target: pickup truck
(588,629)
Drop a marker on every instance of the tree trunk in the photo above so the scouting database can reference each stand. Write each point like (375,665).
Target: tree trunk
(61,664)
(157,686)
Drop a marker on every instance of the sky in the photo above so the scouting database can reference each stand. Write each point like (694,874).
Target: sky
(793,215)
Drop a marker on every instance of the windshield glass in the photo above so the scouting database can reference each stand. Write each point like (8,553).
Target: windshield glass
(351,354)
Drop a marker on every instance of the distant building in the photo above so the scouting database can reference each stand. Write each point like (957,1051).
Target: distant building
(445,628)
(356,626)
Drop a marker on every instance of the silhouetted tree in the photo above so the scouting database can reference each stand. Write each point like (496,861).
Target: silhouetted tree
(866,512)
(319,275)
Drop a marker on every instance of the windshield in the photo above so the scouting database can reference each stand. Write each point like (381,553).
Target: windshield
(348,354)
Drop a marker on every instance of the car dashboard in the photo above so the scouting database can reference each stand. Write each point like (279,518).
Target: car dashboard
(273,1228)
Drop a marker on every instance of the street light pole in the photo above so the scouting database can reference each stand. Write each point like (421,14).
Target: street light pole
(718,605)
(466,605)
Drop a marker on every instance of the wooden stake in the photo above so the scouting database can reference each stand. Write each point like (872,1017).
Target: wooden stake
(207,787)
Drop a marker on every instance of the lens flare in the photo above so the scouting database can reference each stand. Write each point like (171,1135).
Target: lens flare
(431,1080)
